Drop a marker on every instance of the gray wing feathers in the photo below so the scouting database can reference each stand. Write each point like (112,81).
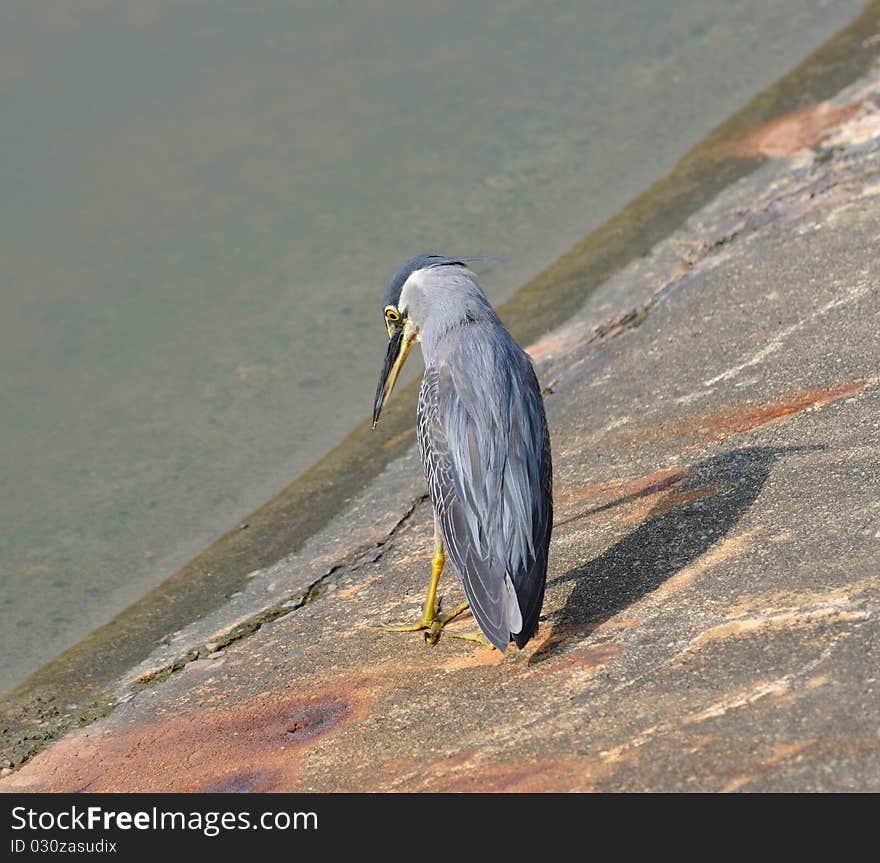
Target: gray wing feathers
(485,451)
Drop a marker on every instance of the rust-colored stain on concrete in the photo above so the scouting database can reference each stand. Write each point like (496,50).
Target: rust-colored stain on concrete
(245,781)
(745,419)
(621,491)
(738,419)
(544,652)
(789,133)
(547,658)
(669,500)
(652,495)
(593,656)
(254,747)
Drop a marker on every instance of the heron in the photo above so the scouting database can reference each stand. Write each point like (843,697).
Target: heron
(484,447)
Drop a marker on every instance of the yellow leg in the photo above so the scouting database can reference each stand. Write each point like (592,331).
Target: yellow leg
(431,618)
(432,606)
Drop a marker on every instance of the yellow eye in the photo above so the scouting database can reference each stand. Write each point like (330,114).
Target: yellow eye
(392,316)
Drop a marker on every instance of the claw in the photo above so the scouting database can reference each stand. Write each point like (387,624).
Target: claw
(407,627)
(433,624)
(473,636)
(429,615)
(432,621)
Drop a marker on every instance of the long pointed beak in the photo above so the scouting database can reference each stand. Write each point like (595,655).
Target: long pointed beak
(398,347)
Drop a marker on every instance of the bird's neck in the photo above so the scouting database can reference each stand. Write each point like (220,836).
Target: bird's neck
(437,341)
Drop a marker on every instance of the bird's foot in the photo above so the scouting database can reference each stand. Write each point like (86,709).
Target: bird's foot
(476,635)
(431,621)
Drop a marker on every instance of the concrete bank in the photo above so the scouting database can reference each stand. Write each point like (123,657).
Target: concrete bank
(711,615)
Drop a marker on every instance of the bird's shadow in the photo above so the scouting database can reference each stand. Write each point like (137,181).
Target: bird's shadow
(714,497)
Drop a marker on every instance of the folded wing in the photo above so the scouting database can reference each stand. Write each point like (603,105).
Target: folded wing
(486,453)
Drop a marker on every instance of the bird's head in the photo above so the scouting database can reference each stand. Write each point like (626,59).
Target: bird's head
(402,330)
(427,296)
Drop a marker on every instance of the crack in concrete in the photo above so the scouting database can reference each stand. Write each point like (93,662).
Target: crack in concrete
(284,607)
(34,740)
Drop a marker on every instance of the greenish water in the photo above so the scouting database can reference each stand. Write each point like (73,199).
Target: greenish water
(200,204)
